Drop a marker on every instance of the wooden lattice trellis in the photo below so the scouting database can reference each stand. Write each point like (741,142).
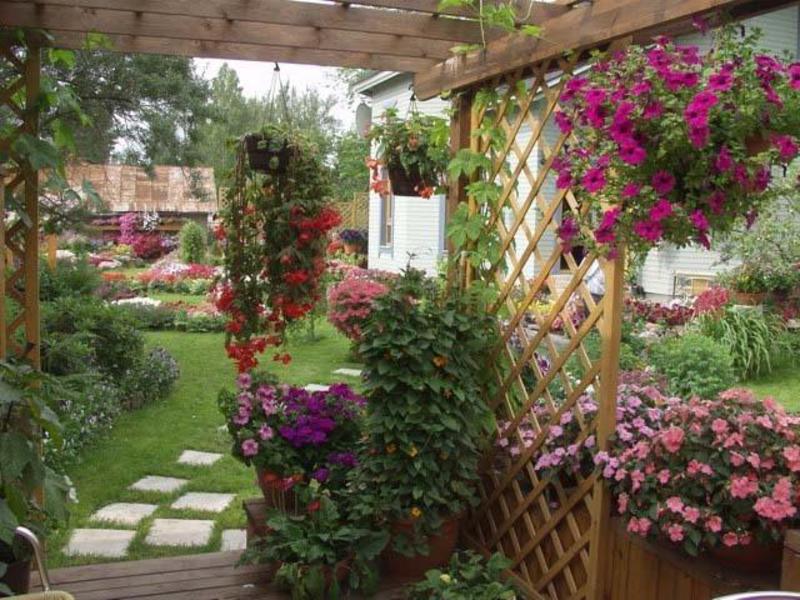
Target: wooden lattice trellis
(19,235)
(552,527)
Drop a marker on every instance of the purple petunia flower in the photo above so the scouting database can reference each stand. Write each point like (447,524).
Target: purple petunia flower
(249,448)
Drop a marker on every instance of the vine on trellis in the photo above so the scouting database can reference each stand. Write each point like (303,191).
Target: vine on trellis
(274,227)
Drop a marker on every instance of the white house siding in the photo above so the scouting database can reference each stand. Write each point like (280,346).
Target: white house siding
(780,30)
(418,223)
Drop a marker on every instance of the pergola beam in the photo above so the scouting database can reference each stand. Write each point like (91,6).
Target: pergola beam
(256,52)
(44,15)
(302,14)
(539,9)
(583,27)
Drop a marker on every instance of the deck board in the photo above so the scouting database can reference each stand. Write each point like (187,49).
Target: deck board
(197,577)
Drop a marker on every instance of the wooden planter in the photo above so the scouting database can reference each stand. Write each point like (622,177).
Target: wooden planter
(18,577)
(266,155)
(749,299)
(440,549)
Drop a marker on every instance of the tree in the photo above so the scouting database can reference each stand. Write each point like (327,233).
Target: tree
(350,172)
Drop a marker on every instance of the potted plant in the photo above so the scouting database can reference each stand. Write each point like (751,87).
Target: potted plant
(749,285)
(269,150)
(720,475)
(319,552)
(468,576)
(354,240)
(414,151)
(659,151)
(426,418)
(23,474)
(274,228)
(291,435)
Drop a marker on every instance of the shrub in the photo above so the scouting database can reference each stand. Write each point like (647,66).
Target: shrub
(712,300)
(350,304)
(694,365)
(149,379)
(751,337)
(705,473)
(68,279)
(148,245)
(87,408)
(192,242)
(157,318)
(468,577)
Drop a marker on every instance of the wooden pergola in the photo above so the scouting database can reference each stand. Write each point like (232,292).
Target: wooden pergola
(558,535)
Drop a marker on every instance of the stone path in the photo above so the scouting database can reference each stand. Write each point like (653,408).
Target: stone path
(348,372)
(316,387)
(114,543)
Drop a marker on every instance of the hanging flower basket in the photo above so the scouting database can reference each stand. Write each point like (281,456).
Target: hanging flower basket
(406,182)
(267,154)
(671,146)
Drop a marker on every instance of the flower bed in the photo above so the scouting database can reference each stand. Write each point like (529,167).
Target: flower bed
(179,277)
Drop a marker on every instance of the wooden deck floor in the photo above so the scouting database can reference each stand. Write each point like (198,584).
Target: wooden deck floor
(197,577)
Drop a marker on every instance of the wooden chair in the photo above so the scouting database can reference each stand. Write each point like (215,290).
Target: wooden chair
(48,593)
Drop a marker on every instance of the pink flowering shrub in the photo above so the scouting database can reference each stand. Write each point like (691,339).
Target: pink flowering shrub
(661,134)
(704,473)
(672,315)
(128,227)
(350,303)
(712,300)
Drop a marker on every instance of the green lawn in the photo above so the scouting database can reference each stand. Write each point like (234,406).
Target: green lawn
(174,297)
(783,384)
(149,441)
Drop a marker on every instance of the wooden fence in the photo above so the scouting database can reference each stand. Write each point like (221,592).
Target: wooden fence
(355,212)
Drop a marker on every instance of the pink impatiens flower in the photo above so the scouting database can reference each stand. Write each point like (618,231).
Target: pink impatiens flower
(675,504)
(675,532)
(742,487)
(672,439)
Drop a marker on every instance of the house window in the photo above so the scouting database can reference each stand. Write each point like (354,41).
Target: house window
(387,219)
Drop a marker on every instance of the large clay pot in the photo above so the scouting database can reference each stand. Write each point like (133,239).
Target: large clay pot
(440,548)
(18,577)
(749,299)
(405,183)
(753,558)
(265,155)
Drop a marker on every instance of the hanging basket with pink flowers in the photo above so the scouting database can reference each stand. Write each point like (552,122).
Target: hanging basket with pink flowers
(672,146)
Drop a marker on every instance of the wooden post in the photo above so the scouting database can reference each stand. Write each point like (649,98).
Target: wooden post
(600,563)
(460,138)
(790,577)
(52,250)
(3,265)
(31,236)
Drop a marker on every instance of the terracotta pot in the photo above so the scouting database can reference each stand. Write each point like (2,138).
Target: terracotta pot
(749,299)
(18,577)
(440,548)
(753,558)
(340,571)
(405,183)
(274,494)
(758,143)
(350,248)
(264,155)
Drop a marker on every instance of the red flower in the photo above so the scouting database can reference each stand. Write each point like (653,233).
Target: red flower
(296,277)
(313,506)
(219,232)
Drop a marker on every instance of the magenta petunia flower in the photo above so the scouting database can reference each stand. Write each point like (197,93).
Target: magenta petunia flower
(724,160)
(595,96)
(621,130)
(632,153)
(695,116)
(648,230)
(594,180)
(772,96)
(699,135)
(249,448)
(794,76)
(699,220)
(701,24)
(720,82)
(641,88)
(564,180)
(567,231)
(661,210)
(663,182)
(631,190)
(564,123)
(653,110)
(717,202)
(786,146)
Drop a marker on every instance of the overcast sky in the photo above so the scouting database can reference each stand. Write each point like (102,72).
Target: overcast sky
(256,77)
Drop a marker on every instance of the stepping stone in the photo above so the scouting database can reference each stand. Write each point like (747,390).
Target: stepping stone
(315,387)
(199,459)
(204,501)
(156,483)
(109,543)
(348,372)
(124,513)
(234,539)
(179,532)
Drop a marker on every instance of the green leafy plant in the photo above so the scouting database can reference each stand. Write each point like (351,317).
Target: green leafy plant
(149,378)
(320,551)
(415,148)
(25,419)
(493,15)
(753,337)
(694,365)
(192,242)
(467,577)
(426,414)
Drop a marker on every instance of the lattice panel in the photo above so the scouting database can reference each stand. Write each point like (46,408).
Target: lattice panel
(19,238)
(558,361)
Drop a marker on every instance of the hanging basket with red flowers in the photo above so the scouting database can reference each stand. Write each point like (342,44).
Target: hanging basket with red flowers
(274,225)
(669,145)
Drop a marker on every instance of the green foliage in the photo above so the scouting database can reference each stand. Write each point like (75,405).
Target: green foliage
(26,420)
(694,365)
(493,15)
(68,279)
(149,378)
(193,242)
(468,577)
(349,179)
(426,415)
(753,338)
(320,550)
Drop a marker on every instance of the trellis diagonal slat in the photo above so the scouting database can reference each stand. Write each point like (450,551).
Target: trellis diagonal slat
(547,522)
(19,240)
